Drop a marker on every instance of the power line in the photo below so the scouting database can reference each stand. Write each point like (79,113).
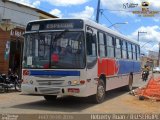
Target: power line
(106,18)
(109,21)
(147,43)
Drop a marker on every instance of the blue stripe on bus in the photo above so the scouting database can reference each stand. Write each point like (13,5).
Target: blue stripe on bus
(126,67)
(54,73)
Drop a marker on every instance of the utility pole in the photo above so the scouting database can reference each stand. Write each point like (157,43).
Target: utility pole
(98,11)
(159,55)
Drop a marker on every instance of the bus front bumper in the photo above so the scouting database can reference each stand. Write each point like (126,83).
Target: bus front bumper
(77,91)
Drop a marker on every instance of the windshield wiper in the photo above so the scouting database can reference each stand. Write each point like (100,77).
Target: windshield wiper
(60,35)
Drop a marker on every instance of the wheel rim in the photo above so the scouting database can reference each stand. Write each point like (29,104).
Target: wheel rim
(130,86)
(100,92)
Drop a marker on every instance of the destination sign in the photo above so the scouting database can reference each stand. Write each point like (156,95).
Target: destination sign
(60,24)
(35,27)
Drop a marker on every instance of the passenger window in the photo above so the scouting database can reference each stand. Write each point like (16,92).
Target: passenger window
(118,48)
(91,45)
(91,50)
(124,50)
(110,46)
(138,53)
(134,52)
(129,50)
(101,45)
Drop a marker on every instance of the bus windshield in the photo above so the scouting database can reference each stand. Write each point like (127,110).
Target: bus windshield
(51,50)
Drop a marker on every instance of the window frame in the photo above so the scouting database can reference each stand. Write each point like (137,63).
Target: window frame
(129,50)
(102,44)
(137,52)
(113,44)
(91,60)
(116,48)
(124,50)
(134,51)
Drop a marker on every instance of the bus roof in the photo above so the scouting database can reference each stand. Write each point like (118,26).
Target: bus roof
(95,25)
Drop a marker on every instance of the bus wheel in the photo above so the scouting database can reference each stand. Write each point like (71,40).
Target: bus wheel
(50,97)
(100,95)
(129,87)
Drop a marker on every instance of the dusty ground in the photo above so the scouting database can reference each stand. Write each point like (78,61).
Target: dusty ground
(117,101)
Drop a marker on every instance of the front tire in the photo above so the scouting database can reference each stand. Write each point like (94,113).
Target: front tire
(100,95)
(50,97)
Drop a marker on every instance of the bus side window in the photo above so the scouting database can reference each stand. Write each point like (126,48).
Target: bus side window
(91,50)
(138,52)
(91,44)
(124,50)
(110,46)
(134,51)
(118,48)
(129,50)
(101,45)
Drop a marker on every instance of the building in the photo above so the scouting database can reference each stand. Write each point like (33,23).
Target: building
(13,20)
(149,61)
(153,54)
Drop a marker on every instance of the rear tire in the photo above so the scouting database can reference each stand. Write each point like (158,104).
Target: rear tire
(129,87)
(50,97)
(100,95)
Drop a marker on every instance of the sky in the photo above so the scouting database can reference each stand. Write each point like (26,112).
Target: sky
(111,12)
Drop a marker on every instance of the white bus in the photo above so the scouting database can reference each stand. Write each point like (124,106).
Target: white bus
(77,57)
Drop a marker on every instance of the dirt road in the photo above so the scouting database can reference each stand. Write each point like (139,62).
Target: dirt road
(117,101)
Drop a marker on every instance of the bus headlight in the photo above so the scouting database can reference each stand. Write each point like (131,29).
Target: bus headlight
(74,82)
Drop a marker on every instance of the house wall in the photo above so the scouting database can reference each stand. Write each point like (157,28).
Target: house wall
(19,15)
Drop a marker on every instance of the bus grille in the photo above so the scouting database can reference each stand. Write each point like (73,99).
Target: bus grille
(50,82)
(44,90)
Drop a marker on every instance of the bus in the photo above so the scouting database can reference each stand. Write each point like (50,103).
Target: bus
(77,57)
